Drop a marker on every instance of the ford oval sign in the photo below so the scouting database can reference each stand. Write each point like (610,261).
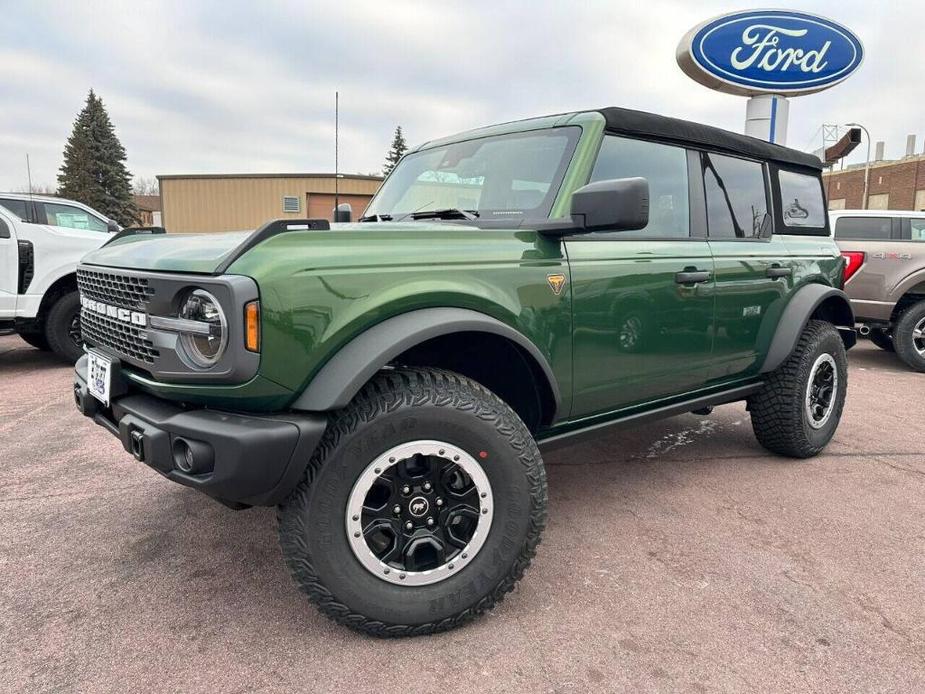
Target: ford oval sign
(769,52)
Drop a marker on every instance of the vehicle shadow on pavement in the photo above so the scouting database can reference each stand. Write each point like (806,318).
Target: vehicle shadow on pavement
(16,354)
(869,357)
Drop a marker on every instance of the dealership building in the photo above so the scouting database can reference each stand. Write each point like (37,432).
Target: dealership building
(233,202)
(897,184)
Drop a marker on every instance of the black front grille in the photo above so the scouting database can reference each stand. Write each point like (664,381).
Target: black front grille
(123,338)
(124,291)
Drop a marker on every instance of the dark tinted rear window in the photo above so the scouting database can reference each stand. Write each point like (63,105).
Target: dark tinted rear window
(869,228)
(736,197)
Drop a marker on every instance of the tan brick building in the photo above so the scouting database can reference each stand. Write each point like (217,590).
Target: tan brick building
(235,202)
(894,185)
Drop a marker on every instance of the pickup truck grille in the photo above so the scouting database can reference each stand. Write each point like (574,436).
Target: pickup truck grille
(123,291)
(121,338)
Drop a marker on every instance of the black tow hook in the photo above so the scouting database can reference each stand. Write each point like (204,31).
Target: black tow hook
(138,445)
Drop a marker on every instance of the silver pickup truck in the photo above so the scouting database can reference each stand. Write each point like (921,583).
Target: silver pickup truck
(885,277)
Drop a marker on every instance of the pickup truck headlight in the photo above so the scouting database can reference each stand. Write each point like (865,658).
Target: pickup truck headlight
(204,349)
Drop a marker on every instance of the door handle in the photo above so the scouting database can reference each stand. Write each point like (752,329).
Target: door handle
(778,271)
(692,276)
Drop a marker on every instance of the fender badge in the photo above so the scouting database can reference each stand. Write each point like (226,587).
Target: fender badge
(556,282)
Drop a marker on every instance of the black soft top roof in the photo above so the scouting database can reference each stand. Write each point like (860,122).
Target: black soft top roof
(650,125)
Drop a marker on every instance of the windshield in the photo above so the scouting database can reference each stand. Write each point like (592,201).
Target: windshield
(512,176)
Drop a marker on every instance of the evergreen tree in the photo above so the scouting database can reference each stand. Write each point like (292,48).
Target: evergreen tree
(94,170)
(398,149)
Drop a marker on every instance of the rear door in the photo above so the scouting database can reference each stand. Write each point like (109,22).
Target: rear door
(754,269)
(642,327)
(9,266)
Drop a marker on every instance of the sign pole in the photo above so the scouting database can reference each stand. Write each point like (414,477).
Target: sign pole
(766,117)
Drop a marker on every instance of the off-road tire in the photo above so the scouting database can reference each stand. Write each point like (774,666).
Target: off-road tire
(903,337)
(58,324)
(882,339)
(778,412)
(398,406)
(35,339)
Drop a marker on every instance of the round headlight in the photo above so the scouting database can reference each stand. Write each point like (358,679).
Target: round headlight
(204,350)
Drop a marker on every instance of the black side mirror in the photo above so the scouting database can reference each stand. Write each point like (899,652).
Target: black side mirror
(343,213)
(620,204)
(112,227)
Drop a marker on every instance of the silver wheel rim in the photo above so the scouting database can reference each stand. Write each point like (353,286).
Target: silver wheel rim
(918,337)
(385,466)
(821,391)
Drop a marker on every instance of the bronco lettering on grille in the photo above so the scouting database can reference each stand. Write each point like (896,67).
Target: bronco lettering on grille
(122,314)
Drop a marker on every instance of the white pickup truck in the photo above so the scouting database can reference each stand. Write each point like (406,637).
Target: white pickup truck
(41,241)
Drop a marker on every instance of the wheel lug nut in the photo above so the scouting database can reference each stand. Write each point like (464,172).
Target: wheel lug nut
(409,525)
(406,489)
(439,502)
(430,522)
(396,509)
(427,486)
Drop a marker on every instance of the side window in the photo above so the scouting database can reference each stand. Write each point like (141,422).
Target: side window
(870,228)
(918,229)
(72,217)
(4,230)
(17,207)
(737,200)
(801,198)
(664,167)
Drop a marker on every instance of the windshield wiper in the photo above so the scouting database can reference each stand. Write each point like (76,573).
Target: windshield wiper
(376,218)
(446,213)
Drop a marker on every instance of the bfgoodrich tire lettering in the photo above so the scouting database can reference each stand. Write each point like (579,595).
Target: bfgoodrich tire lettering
(781,412)
(396,407)
(909,336)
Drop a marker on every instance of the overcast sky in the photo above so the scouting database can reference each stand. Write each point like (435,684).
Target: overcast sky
(213,87)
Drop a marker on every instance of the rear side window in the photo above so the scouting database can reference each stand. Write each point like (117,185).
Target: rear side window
(72,218)
(918,229)
(869,228)
(17,207)
(664,167)
(801,198)
(737,199)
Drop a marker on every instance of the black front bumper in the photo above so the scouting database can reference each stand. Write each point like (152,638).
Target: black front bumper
(239,459)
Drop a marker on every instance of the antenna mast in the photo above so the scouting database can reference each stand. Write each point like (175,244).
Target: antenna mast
(336,152)
(34,216)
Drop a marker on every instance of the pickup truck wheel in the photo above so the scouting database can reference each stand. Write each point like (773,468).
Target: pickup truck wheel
(421,508)
(35,339)
(882,339)
(909,336)
(797,411)
(62,327)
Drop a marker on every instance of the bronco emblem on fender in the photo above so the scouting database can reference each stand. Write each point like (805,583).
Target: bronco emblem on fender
(556,282)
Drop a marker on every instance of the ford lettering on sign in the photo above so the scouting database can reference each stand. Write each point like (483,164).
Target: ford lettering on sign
(769,52)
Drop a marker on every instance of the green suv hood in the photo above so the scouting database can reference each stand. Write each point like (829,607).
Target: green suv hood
(197,253)
(343,245)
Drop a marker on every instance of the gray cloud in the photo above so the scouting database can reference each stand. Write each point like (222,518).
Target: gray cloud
(210,87)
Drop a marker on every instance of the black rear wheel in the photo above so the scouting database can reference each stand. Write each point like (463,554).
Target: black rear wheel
(798,410)
(909,336)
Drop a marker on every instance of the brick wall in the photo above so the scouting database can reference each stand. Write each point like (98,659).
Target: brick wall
(902,180)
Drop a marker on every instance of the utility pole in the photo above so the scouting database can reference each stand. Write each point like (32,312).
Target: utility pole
(336,151)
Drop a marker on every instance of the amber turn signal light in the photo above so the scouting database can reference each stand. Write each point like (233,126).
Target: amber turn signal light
(252,326)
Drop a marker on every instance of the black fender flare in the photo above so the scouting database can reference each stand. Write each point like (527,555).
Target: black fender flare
(796,315)
(342,377)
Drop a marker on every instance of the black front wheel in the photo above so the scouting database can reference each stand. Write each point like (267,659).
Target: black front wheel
(62,327)
(35,339)
(421,508)
(909,336)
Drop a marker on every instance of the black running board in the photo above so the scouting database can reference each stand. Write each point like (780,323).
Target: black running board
(574,436)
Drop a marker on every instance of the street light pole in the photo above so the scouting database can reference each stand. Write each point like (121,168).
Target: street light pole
(867,165)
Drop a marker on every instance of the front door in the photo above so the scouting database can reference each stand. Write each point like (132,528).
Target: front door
(642,300)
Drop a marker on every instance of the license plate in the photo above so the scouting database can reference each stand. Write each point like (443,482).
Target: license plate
(99,375)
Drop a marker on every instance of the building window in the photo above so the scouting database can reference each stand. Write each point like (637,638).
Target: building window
(920,200)
(879,202)
(837,204)
(291,204)
(837,185)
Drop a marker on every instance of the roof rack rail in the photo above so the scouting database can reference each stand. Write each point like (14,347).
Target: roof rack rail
(277,226)
(135,231)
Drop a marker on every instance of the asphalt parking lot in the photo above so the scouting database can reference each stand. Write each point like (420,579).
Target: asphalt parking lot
(678,557)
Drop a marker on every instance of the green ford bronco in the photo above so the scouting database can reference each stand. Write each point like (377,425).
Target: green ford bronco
(389,383)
